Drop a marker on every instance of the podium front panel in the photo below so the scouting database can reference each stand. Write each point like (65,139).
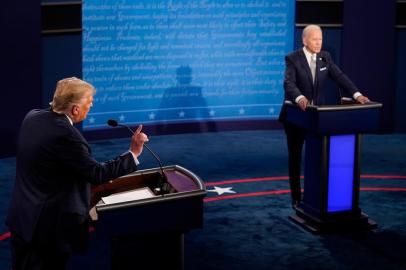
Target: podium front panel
(341,173)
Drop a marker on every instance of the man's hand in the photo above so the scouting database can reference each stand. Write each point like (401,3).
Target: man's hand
(362,99)
(302,103)
(137,141)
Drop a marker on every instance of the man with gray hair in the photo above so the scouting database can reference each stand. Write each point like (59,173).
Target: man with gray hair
(48,215)
(306,71)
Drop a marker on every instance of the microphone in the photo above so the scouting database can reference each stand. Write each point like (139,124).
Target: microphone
(323,59)
(163,186)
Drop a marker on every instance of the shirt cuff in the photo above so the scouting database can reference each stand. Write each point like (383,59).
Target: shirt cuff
(298,98)
(356,95)
(135,158)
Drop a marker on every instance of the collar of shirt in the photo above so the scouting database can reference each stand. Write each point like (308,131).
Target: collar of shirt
(70,120)
(308,55)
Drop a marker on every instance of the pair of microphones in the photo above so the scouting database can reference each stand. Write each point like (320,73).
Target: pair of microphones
(163,185)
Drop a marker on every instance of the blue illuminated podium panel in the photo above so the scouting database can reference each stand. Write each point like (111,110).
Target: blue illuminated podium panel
(341,166)
(332,164)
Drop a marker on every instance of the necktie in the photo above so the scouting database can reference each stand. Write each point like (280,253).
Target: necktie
(313,66)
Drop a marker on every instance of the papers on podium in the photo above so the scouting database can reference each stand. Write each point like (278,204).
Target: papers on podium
(131,195)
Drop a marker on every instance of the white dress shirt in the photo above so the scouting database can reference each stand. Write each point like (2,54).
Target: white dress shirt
(309,56)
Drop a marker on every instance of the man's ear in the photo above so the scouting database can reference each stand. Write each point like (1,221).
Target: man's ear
(75,110)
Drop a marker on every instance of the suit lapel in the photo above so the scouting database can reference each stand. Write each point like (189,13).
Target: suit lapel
(316,79)
(75,130)
(320,77)
(82,138)
(306,68)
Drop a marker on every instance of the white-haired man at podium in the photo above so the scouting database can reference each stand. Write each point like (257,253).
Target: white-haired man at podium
(307,69)
(48,215)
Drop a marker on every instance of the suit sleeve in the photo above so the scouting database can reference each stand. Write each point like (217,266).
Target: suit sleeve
(76,161)
(291,89)
(338,76)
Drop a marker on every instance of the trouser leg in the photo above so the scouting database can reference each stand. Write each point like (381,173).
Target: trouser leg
(295,140)
(30,256)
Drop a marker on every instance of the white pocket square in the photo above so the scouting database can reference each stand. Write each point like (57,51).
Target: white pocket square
(323,68)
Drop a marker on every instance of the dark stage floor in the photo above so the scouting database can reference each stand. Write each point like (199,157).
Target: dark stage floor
(246,223)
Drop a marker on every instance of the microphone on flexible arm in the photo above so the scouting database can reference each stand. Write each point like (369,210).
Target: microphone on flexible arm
(163,186)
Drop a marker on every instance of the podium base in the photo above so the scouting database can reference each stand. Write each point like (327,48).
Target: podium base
(333,225)
(148,251)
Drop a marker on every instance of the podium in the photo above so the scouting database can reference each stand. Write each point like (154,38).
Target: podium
(146,233)
(332,165)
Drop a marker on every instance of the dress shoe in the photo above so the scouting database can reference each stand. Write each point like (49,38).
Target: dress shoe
(295,204)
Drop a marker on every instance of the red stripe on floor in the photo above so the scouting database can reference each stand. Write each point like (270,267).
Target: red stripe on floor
(382,189)
(4,236)
(281,178)
(247,180)
(383,176)
(253,194)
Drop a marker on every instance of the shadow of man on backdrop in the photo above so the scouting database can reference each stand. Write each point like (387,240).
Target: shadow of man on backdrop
(184,103)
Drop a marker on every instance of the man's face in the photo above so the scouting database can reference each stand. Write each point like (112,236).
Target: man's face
(313,41)
(85,107)
(82,109)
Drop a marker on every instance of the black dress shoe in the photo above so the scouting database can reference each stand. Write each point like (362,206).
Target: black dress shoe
(295,204)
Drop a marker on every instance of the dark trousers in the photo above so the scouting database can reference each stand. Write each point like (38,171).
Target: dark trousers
(32,256)
(295,138)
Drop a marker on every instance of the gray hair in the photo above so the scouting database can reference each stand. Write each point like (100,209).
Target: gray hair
(70,91)
(309,29)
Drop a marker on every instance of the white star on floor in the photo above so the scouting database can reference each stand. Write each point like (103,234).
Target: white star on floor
(221,191)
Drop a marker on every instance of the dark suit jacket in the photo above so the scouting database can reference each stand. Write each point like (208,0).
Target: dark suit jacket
(298,78)
(51,196)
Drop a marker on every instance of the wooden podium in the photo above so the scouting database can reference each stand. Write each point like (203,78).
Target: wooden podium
(332,165)
(146,233)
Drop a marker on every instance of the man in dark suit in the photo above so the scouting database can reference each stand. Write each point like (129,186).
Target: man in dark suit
(306,72)
(48,215)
